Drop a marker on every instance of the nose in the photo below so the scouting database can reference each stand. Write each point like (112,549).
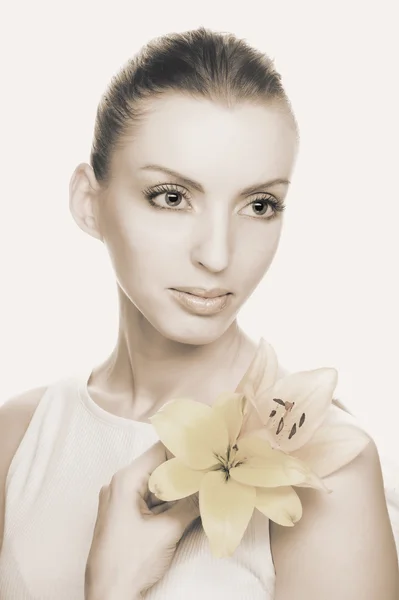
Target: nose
(211,246)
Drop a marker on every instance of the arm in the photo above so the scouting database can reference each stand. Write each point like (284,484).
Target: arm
(343,547)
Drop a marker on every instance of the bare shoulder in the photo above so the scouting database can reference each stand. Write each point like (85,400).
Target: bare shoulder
(15,416)
(343,546)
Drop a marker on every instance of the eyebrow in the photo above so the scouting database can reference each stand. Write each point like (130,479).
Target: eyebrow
(197,186)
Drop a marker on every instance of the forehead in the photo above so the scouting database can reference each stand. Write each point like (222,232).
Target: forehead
(210,142)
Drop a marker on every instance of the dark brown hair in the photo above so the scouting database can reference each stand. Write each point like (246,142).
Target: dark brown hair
(199,63)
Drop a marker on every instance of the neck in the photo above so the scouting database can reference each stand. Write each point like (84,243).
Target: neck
(146,369)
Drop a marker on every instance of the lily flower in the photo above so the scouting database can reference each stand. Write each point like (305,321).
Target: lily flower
(232,474)
(295,414)
(251,446)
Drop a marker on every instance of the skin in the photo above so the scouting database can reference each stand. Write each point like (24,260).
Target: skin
(135,535)
(217,242)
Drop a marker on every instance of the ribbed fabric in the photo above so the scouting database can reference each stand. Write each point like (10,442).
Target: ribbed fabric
(72,448)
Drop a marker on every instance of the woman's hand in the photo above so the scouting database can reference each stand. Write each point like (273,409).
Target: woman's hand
(136,534)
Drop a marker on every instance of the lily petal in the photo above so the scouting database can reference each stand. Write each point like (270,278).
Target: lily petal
(296,406)
(332,447)
(270,475)
(260,465)
(253,445)
(231,408)
(281,505)
(172,480)
(261,373)
(192,431)
(226,508)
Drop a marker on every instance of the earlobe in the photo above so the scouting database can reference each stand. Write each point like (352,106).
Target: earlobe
(83,193)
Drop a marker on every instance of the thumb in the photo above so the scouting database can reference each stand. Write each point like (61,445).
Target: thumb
(136,474)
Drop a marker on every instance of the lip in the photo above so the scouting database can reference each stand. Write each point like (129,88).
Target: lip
(203,293)
(201,305)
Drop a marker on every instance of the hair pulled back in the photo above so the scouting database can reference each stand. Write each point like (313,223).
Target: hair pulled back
(199,63)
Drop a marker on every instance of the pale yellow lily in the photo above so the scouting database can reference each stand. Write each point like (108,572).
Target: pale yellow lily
(233,474)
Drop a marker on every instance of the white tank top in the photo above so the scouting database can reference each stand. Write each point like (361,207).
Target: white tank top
(72,448)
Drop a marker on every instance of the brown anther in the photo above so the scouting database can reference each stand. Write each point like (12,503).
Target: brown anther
(280,426)
(302,420)
(293,431)
(279,401)
(272,413)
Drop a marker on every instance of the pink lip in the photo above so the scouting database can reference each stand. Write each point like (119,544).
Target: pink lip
(202,293)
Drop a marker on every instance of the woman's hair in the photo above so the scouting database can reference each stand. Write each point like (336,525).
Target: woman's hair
(199,63)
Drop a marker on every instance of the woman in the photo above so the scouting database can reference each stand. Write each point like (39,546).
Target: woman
(194,149)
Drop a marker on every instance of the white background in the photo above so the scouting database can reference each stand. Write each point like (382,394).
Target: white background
(331,296)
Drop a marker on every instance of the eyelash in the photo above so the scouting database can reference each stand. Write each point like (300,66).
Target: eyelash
(150,193)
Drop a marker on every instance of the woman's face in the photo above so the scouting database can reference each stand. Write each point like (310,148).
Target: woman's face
(194,202)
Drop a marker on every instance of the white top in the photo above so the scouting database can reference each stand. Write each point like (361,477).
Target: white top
(72,448)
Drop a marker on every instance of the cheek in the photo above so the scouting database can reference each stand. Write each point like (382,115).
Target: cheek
(256,248)
(143,248)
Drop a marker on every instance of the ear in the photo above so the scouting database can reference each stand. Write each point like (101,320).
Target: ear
(84,192)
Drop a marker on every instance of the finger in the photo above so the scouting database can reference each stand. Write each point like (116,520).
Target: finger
(145,465)
(163,507)
(103,502)
(103,497)
(152,500)
(134,477)
(146,509)
(183,512)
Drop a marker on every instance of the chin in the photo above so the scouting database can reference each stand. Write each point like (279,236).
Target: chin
(196,331)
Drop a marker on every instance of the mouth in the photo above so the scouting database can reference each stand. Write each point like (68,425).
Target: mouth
(200,301)
(203,293)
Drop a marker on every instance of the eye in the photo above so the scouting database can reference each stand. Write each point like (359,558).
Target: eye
(264,207)
(167,197)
